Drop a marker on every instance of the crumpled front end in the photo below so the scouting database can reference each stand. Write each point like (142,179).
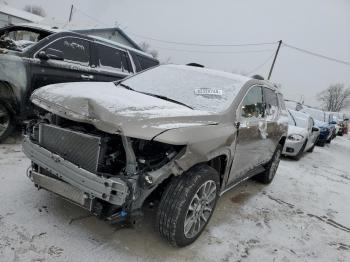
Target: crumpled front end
(110,175)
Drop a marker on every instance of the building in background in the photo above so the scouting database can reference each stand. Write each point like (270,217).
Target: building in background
(11,16)
(114,34)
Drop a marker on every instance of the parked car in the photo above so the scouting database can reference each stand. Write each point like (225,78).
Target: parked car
(324,120)
(32,56)
(325,133)
(181,135)
(302,134)
(340,120)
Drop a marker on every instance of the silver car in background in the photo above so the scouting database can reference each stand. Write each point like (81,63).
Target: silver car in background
(302,134)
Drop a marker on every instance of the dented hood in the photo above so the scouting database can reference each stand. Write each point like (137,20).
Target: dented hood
(114,109)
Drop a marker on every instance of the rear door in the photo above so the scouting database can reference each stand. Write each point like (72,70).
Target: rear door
(111,63)
(252,133)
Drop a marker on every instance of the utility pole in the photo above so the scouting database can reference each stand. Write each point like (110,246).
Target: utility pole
(274,60)
(70,14)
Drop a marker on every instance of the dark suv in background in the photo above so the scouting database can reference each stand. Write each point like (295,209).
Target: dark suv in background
(49,56)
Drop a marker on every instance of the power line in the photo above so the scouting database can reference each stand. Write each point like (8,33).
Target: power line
(173,42)
(316,54)
(90,16)
(262,64)
(200,44)
(213,51)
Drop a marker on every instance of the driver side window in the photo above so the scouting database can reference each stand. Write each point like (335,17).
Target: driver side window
(75,50)
(253,106)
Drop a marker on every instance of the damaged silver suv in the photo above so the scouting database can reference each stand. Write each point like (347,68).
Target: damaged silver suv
(177,135)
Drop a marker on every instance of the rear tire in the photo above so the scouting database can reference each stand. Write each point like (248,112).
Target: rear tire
(268,175)
(6,122)
(321,144)
(185,209)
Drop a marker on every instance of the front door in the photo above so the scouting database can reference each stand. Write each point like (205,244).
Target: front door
(74,67)
(272,113)
(252,134)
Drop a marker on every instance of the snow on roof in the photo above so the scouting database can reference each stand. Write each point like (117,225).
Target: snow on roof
(20,13)
(40,27)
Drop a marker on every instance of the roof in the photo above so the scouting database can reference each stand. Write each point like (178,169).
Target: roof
(110,29)
(39,27)
(100,39)
(20,14)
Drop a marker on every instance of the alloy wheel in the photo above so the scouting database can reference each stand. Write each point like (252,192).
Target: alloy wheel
(200,209)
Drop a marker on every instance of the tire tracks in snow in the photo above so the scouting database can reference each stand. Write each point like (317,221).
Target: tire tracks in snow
(323,219)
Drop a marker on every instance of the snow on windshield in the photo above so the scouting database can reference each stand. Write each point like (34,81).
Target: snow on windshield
(301,119)
(199,88)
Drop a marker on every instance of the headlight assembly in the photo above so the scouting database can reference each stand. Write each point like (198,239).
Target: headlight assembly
(295,137)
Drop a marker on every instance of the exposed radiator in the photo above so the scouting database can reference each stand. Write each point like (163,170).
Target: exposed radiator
(79,148)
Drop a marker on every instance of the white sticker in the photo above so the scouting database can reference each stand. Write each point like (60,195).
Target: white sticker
(208,91)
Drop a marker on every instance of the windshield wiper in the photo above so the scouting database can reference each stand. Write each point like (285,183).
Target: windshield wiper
(167,99)
(154,95)
(123,85)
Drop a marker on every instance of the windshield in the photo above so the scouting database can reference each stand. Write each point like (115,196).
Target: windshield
(19,39)
(201,89)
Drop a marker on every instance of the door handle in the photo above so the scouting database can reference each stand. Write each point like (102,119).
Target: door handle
(90,77)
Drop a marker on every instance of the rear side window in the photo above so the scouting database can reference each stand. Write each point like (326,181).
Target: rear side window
(146,62)
(112,59)
(74,50)
(271,103)
(109,58)
(252,106)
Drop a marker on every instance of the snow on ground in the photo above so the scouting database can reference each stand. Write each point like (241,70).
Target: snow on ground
(304,215)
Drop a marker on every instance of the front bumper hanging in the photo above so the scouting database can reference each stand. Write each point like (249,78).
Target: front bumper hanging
(82,183)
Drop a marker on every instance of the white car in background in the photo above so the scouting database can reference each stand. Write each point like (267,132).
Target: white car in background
(302,134)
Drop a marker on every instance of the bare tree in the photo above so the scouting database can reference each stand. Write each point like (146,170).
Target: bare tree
(35,9)
(335,98)
(147,48)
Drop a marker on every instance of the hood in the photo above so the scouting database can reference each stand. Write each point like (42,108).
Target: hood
(321,124)
(114,109)
(296,130)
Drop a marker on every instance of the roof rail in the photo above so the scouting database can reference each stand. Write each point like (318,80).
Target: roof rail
(195,64)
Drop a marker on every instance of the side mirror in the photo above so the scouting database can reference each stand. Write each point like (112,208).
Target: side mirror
(51,53)
(346,119)
(315,129)
(42,55)
(333,123)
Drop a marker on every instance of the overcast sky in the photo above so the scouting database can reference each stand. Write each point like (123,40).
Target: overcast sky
(322,26)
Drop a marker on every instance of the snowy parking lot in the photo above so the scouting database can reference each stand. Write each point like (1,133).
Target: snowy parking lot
(304,215)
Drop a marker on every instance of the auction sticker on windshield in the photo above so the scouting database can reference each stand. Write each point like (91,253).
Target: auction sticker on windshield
(208,91)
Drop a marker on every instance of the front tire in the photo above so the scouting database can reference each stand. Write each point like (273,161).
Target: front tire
(6,122)
(301,151)
(312,148)
(268,175)
(187,205)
